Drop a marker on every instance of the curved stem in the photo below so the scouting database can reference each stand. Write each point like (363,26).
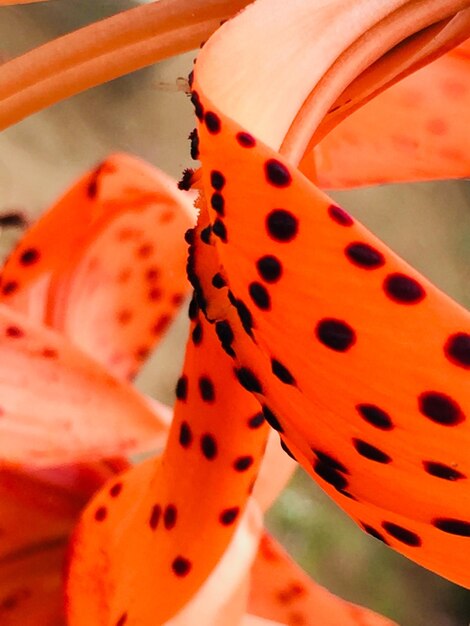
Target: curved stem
(106,50)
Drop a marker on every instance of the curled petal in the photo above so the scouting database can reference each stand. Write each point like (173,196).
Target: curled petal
(106,264)
(60,406)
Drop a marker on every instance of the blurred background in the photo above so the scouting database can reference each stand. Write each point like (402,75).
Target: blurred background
(148,114)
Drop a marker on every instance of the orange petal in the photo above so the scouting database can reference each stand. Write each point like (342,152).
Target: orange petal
(282,591)
(222,599)
(32,554)
(199,489)
(417,130)
(360,363)
(59,406)
(106,265)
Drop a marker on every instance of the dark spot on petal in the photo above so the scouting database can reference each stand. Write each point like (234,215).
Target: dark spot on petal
(217,180)
(327,459)
(260,296)
(243,463)
(365,256)
(404,535)
(212,121)
(246,140)
(29,256)
(452,526)
(269,268)
(186,435)
(256,421)
(373,532)
(196,335)
(9,287)
(370,452)
(206,235)
(280,371)
(457,349)
(403,289)
(218,281)
(218,203)
(218,228)
(155,516)
(272,419)
(375,416)
(182,388)
(248,379)
(340,216)
(330,475)
(335,334)
(206,389)
(14,332)
(115,490)
(181,566)
(170,516)
(282,225)
(277,173)
(101,514)
(228,516)
(209,447)
(286,449)
(440,408)
(440,470)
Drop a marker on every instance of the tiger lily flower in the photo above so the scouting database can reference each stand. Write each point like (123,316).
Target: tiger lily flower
(296,303)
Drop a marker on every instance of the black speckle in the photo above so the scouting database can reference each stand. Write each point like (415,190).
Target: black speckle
(282,225)
(212,121)
(457,349)
(217,180)
(340,216)
(452,526)
(272,419)
(375,416)
(440,408)
(269,268)
(246,140)
(206,389)
(404,535)
(209,447)
(440,470)
(256,421)
(182,388)
(218,228)
(248,379)
(228,516)
(280,371)
(218,203)
(277,173)
(335,334)
(403,289)
(186,435)
(365,256)
(260,296)
(218,281)
(370,452)
(196,335)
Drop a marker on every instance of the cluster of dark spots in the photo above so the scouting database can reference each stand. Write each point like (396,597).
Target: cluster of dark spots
(457,349)
(170,515)
(225,334)
(440,408)
(280,371)
(364,255)
(330,469)
(186,435)
(248,379)
(242,463)
(115,490)
(182,388)
(101,514)
(228,516)
(209,446)
(282,225)
(256,421)
(452,526)
(269,268)
(245,140)
(370,530)
(206,389)
(286,449)
(14,332)
(218,203)
(186,179)
(277,173)
(30,256)
(335,334)
(196,334)
(260,296)
(272,419)
(155,515)
(401,534)
(194,144)
(375,416)
(370,452)
(403,289)
(440,470)
(340,216)
(181,566)
(218,281)
(212,122)
(219,229)
(198,108)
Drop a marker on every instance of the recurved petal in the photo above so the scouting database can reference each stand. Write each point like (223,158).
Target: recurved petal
(106,264)
(416,130)
(59,406)
(282,591)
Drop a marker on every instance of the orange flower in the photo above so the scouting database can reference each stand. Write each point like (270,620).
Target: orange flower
(301,318)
